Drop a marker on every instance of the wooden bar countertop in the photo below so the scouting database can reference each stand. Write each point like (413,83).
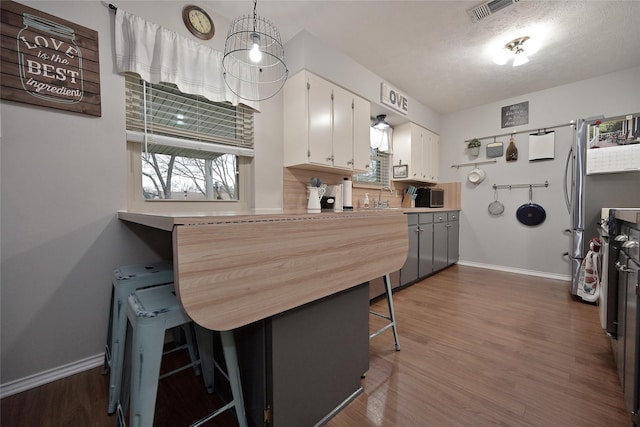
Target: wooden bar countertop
(166,221)
(234,268)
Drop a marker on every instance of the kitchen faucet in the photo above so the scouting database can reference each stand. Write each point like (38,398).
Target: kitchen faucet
(387,203)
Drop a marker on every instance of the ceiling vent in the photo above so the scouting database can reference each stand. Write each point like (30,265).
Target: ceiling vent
(485,9)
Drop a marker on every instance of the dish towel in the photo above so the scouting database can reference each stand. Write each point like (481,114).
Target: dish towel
(542,146)
(589,281)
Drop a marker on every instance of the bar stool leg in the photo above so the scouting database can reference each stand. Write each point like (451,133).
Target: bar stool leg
(231,359)
(117,337)
(144,388)
(204,339)
(106,367)
(233,375)
(391,317)
(392,313)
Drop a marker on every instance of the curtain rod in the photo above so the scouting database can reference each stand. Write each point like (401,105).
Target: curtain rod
(112,7)
(544,129)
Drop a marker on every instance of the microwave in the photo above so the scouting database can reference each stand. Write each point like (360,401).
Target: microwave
(429,198)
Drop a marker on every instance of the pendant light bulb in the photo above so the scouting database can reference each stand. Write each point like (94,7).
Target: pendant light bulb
(254,54)
(380,123)
(520,59)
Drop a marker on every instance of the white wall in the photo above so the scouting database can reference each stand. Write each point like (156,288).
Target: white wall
(503,241)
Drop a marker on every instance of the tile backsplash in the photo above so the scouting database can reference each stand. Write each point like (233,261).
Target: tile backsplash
(296,182)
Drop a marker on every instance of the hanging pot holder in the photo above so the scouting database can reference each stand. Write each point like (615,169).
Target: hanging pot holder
(495,149)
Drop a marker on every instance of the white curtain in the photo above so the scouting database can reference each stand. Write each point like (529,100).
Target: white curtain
(160,55)
(381,139)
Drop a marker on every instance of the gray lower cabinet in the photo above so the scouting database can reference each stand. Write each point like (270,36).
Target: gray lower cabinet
(425,245)
(409,271)
(433,244)
(440,245)
(419,261)
(453,237)
(297,367)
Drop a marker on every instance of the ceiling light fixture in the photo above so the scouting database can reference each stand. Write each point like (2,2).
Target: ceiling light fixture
(519,49)
(253,62)
(380,123)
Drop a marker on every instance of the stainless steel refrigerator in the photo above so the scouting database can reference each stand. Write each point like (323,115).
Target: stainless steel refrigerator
(588,190)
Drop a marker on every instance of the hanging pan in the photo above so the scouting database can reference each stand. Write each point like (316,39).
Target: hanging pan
(530,213)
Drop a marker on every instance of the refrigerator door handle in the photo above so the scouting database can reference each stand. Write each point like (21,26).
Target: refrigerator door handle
(566,175)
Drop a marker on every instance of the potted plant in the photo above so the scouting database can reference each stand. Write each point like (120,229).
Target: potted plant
(474,147)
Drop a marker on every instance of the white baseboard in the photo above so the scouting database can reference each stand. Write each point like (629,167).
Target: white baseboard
(50,375)
(564,277)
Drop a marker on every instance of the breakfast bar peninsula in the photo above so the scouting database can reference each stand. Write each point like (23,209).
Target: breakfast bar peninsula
(294,288)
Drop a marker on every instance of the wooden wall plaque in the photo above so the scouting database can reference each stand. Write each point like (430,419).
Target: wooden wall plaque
(48,61)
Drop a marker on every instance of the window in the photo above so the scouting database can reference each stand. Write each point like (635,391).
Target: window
(190,148)
(379,167)
(378,170)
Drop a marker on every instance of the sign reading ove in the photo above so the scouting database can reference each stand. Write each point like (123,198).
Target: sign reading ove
(394,99)
(48,61)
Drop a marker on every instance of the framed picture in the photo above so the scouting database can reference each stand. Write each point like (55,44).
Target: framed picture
(400,171)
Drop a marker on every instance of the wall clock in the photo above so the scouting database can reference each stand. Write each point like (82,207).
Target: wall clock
(198,22)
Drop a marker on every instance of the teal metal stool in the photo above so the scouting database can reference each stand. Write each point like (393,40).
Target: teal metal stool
(151,312)
(127,279)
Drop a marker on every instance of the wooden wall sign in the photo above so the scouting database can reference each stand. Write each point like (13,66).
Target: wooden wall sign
(394,99)
(48,61)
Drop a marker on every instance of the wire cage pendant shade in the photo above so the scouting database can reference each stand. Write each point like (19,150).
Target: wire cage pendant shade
(253,62)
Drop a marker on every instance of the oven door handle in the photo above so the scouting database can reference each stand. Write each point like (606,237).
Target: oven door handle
(622,268)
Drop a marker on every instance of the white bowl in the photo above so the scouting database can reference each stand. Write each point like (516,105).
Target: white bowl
(476,176)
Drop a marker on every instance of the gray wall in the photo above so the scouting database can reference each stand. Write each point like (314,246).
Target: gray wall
(307,51)
(63,178)
(502,242)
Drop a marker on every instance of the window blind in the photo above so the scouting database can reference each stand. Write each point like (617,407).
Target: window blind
(168,121)
(379,169)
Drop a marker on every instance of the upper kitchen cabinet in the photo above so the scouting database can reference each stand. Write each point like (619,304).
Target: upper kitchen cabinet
(417,148)
(325,126)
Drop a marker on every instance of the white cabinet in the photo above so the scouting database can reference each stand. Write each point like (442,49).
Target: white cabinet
(434,172)
(325,126)
(418,148)
(361,135)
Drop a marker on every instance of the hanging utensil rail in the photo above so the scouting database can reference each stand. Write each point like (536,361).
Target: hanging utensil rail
(510,186)
(515,132)
(475,164)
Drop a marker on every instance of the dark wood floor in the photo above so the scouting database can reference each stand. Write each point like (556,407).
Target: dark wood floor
(479,348)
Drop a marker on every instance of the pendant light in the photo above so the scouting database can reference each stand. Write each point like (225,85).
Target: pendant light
(380,122)
(253,62)
(518,49)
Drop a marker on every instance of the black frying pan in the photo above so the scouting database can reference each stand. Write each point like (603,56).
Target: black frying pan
(531,213)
